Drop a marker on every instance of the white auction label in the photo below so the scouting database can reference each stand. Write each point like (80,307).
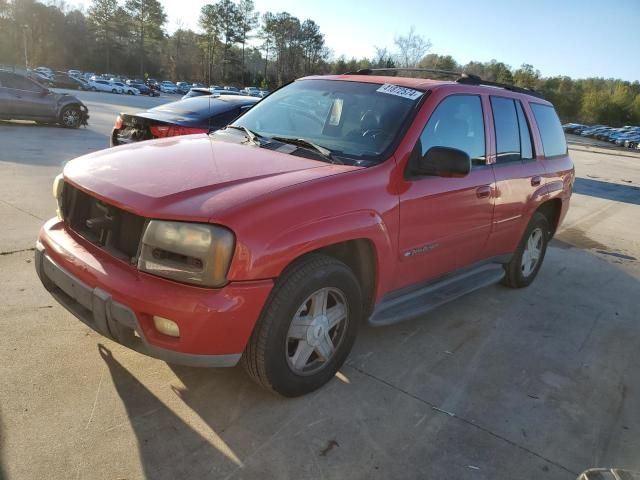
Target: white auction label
(403,92)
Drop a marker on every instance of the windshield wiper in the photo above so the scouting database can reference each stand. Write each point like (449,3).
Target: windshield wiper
(252,136)
(301,142)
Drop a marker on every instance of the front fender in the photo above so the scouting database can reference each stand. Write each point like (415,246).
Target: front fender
(269,259)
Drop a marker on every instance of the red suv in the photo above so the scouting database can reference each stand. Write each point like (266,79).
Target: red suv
(334,200)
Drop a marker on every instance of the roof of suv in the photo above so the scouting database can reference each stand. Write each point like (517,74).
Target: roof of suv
(424,84)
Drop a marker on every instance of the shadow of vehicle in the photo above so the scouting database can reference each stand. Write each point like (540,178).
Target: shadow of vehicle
(168,446)
(607,190)
(51,145)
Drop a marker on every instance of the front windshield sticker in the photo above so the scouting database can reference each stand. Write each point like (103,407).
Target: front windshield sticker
(403,92)
(336,112)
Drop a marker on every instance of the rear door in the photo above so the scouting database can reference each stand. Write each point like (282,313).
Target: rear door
(445,222)
(519,173)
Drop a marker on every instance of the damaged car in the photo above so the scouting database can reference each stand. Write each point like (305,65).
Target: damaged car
(22,98)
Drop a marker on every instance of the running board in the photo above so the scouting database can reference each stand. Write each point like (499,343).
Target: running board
(417,302)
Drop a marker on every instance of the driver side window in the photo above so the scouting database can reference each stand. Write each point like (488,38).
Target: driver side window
(457,122)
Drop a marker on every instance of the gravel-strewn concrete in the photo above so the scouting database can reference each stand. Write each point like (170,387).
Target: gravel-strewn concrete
(537,383)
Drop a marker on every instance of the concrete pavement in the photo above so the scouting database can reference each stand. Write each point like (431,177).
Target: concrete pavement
(536,383)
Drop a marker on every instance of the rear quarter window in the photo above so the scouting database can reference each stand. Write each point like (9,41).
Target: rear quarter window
(554,142)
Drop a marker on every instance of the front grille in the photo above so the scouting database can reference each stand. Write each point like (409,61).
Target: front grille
(111,228)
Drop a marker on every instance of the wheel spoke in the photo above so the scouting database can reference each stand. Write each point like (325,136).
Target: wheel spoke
(302,354)
(319,303)
(325,348)
(299,327)
(336,314)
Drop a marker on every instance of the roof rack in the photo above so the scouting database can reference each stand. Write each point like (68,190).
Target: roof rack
(467,79)
(462,78)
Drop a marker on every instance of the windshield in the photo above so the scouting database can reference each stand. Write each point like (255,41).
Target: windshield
(352,119)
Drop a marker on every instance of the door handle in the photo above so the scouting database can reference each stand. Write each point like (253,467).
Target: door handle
(535,181)
(483,191)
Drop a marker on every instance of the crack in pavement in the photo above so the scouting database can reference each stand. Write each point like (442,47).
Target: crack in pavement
(11,252)
(22,210)
(464,420)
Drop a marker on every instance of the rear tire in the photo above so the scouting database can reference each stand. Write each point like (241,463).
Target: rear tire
(307,327)
(114,91)
(525,264)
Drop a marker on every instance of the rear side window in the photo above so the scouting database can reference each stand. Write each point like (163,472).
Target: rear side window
(457,122)
(553,139)
(526,148)
(505,120)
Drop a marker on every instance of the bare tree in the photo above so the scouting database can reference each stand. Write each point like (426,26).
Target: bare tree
(248,21)
(411,48)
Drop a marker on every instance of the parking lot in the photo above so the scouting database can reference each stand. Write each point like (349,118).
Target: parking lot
(538,383)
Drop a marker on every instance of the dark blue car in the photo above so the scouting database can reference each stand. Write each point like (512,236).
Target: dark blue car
(184,117)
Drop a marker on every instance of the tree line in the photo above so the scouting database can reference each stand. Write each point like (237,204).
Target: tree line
(235,44)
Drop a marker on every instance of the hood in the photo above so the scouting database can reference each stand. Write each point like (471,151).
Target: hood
(191,177)
(66,98)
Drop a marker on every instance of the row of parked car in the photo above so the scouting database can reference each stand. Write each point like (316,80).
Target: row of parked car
(76,80)
(627,136)
(109,82)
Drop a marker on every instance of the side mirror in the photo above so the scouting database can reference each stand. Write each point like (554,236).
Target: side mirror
(444,162)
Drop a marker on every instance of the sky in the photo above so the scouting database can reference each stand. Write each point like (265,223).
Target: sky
(579,38)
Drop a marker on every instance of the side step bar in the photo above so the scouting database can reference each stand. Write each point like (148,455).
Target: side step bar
(417,302)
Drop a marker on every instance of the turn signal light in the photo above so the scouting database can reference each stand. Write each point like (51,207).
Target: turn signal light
(163,131)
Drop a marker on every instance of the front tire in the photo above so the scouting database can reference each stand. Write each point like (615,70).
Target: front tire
(71,117)
(114,91)
(525,264)
(307,327)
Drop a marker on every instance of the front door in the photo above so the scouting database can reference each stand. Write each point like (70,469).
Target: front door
(445,222)
(28,100)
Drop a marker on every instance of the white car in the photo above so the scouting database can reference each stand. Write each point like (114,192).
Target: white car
(104,86)
(75,73)
(168,87)
(128,89)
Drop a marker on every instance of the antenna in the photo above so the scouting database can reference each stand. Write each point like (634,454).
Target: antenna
(209,116)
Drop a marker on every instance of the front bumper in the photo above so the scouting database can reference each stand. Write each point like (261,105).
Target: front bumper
(119,302)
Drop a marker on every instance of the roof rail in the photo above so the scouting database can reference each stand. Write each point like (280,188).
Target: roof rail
(462,78)
(467,79)
(369,71)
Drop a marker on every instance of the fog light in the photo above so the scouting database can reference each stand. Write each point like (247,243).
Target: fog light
(166,326)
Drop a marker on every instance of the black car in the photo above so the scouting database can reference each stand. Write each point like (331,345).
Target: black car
(184,117)
(144,89)
(200,92)
(21,98)
(63,80)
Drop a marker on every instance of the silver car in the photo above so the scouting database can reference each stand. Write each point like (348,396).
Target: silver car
(24,99)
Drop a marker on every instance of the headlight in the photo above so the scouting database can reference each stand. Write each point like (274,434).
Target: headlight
(194,253)
(58,185)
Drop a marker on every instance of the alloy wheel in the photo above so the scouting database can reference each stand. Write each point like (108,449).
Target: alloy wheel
(316,331)
(532,252)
